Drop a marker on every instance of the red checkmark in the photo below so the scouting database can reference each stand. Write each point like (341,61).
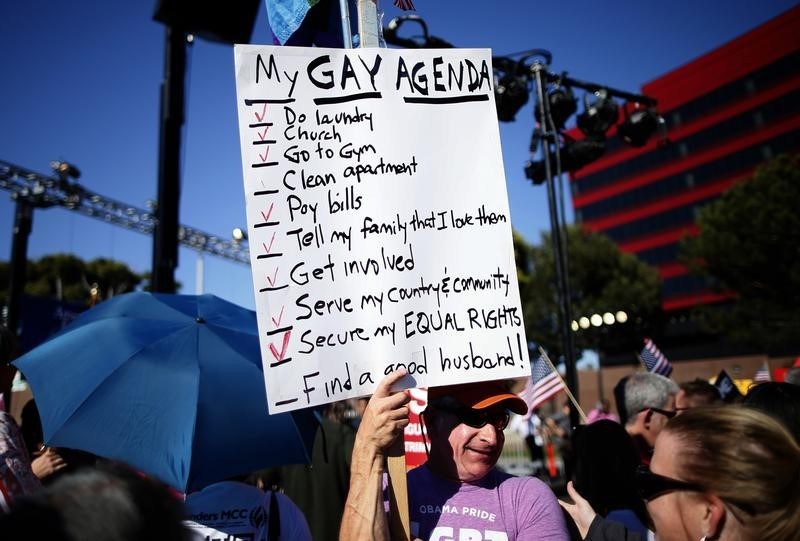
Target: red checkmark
(280,317)
(268,248)
(263,113)
(274,278)
(265,156)
(263,135)
(274,350)
(269,213)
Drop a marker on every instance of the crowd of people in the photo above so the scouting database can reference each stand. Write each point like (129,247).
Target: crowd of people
(677,463)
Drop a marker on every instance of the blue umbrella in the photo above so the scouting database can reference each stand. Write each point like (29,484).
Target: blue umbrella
(170,384)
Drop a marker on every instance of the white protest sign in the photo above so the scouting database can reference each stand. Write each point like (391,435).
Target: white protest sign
(378,220)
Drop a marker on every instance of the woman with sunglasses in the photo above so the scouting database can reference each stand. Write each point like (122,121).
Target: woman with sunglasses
(724,473)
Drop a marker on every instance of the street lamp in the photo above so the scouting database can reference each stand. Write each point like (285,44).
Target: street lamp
(598,320)
(601,324)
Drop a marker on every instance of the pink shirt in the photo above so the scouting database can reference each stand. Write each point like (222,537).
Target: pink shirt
(499,507)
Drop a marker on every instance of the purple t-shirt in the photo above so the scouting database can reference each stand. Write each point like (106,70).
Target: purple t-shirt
(499,507)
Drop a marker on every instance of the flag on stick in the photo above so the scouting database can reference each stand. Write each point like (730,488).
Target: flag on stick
(654,360)
(405,5)
(543,355)
(727,387)
(762,374)
(544,384)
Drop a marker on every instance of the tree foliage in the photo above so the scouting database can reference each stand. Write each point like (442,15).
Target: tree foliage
(67,277)
(602,279)
(749,244)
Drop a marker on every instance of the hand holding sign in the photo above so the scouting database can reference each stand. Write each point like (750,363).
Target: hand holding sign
(385,417)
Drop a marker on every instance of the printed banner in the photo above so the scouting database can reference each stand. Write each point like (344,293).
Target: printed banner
(378,220)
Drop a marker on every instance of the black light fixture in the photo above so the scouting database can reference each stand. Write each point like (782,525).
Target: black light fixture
(577,154)
(639,126)
(573,155)
(510,94)
(562,104)
(535,171)
(65,170)
(218,21)
(598,116)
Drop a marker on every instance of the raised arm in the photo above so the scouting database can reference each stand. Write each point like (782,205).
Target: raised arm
(383,421)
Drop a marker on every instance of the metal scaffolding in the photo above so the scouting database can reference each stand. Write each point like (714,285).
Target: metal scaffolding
(42,191)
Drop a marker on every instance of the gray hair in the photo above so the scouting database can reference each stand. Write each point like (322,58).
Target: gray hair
(793,376)
(647,390)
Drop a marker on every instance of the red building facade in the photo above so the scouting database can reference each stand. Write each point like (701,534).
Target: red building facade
(726,112)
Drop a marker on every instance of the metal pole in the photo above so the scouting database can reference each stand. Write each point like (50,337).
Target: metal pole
(562,280)
(199,286)
(347,37)
(23,222)
(367,23)
(165,234)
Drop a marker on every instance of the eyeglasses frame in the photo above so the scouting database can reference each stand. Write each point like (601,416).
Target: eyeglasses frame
(460,411)
(668,484)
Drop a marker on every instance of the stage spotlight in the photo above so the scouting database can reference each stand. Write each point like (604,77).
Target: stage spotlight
(576,154)
(535,172)
(238,234)
(510,94)
(562,105)
(65,170)
(599,115)
(639,126)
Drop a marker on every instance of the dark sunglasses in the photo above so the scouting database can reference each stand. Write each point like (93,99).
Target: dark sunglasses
(652,485)
(477,418)
(669,414)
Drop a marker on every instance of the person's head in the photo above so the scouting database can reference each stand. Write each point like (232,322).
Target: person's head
(724,472)
(8,350)
(605,467)
(793,375)
(650,402)
(697,392)
(465,426)
(619,399)
(780,401)
(31,426)
(106,504)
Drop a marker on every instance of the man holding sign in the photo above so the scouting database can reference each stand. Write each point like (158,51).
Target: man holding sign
(458,493)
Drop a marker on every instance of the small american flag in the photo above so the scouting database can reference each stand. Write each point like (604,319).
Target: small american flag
(405,5)
(654,360)
(543,384)
(762,374)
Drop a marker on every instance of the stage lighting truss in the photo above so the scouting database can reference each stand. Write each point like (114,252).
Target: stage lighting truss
(44,191)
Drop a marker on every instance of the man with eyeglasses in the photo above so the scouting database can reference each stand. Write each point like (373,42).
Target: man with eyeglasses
(650,403)
(458,493)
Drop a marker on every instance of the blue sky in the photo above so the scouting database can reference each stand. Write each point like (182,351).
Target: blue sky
(81,83)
